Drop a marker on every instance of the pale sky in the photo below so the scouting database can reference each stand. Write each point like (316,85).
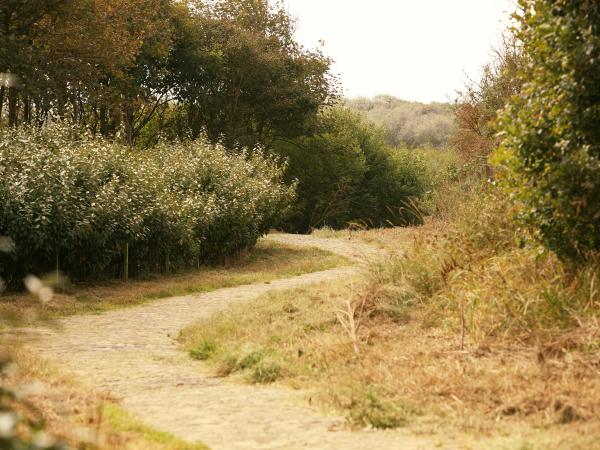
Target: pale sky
(413,49)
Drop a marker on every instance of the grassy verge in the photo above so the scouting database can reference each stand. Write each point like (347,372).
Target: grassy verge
(74,414)
(268,261)
(465,333)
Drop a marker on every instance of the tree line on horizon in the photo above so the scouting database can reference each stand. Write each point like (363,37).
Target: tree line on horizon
(409,124)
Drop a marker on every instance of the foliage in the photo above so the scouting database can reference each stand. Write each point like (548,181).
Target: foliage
(551,131)
(74,200)
(241,75)
(408,124)
(477,107)
(229,69)
(347,174)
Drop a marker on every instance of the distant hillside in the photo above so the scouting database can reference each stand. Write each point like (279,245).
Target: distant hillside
(409,124)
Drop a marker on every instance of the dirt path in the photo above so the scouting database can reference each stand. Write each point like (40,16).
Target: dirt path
(132,354)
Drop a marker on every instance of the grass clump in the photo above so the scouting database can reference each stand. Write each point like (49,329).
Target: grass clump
(475,273)
(372,409)
(259,365)
(204,350)
(123,422)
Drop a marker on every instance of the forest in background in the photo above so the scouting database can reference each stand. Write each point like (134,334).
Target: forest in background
(409,124)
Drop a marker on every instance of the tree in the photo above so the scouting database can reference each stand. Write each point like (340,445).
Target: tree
(346,174)
(76,58)
(551,130)
(243,78)
(478,106)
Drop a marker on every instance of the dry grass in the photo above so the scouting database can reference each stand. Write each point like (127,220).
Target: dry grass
(268,261)
(406,373)
(392,240)
(78,416)
(465,333)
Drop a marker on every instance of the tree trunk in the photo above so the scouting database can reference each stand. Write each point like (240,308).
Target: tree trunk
(60,106)
(129,124)
(103,120)
(2,90)
(27,110)
(13,104)
(126,262)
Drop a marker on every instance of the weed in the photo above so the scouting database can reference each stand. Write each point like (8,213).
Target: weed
(371,409)
(205,350)
(250,359)
(266,372)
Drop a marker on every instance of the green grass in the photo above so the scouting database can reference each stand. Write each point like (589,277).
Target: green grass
(123,422)
(267,262)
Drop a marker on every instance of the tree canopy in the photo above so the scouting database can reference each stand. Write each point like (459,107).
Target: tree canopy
(551,130)
(229,69)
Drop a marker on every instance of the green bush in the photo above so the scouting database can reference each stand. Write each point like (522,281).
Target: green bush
(79,200)
(551,131)
(346,174)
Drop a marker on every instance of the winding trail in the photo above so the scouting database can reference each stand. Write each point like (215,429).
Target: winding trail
(132,353)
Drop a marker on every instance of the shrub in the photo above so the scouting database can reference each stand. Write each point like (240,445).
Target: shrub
(477,108)
(347,174)
(551,130)
(76,201)
(371,408)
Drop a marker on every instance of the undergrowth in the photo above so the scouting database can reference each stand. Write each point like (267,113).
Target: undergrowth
(466,326)
(482,274)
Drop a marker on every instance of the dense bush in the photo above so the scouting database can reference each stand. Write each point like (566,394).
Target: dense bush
(551,130)
(77,201)
(408,124)
(347,174)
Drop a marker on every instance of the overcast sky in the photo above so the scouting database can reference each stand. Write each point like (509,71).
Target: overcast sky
(413,49)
